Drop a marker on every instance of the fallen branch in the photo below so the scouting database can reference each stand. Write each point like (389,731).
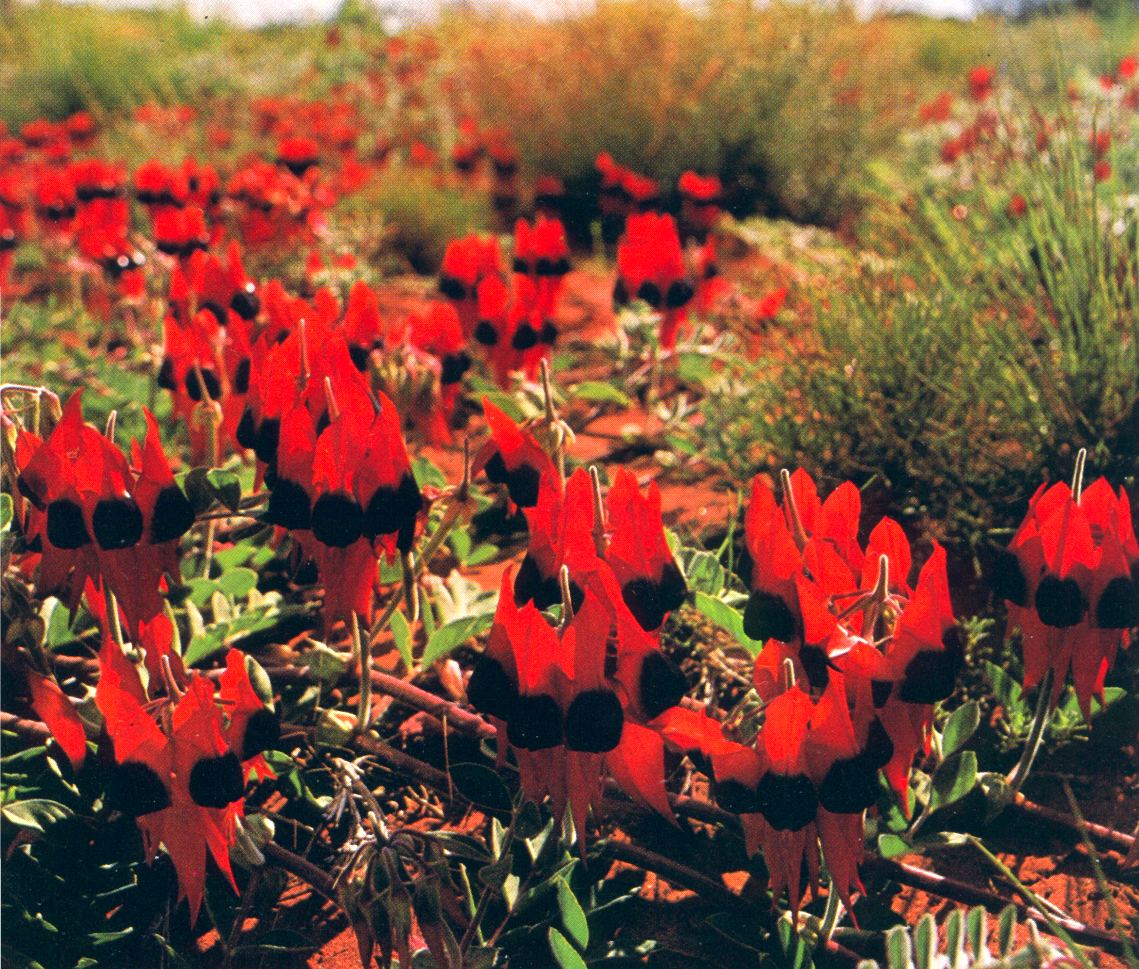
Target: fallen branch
(1106,837)
(958,891)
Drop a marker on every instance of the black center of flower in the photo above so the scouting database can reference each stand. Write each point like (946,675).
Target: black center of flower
(359,355)
(216,782)
(932,674)
(640,595)
(525,338)
(246,431)
(788,802)
(594,722)
(879,747)
(767,616)
(166,379)
(454,366)
(1059,602)
(620,294)
(288,505)
(736,797)
(880,691)
(136,789)
(851,785)
(661,686)
(268,437)
(535,723)
(194,385)
(393,509)
(241,375)
(65,525)
(490,689)
(1007,578)
(817,666)
(117,523)
(262,731)
(485,333)
(337,519)
(651,294)
(173,515)
(245,302)
(1118,606)
(521,482)
(452,288)
(679,294)
(549,334)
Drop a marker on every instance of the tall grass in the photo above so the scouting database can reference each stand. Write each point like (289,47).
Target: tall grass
(971,366)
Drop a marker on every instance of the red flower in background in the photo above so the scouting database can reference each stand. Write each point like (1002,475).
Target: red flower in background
(700,198)
(650,267)
(981,80)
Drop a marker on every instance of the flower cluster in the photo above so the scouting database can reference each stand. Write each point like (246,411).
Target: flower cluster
(577,699)
(853,661)
(1071,580)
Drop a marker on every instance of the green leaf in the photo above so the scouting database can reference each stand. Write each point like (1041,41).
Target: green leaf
(6,511)
(226,487)
(325,664)
(704,573)
(1006,689)
(238,583)
(600,392)
(573,918)
(893,846)
(35,814)
(565,954)
(401,635)
(481,785)
(448,638)
(732,622)
(959,728)
(953,779)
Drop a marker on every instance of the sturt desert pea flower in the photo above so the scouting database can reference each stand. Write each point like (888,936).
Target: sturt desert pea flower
(613,198)
(55,201)
(650,267)
(181,781)
(700,198)
(362,326)
(180,232)
(549,196)
(466,263)
(157,185)
(81,129)
(1070,577)
(99,518)
(550,695)
(439,334)
(542,255)
(981,80)
(837,609)
(55,709)
(298,154)
(345,490)
(513,457)
(651,583)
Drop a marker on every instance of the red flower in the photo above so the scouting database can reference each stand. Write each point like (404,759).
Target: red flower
(54,708)
(937,110)
(650,267)
(700,198)
(651,583)
(466,262)
(1071,580)
(97,518)
(981,82)
(183,786)
(514,458)
(344,487)
(298,154)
